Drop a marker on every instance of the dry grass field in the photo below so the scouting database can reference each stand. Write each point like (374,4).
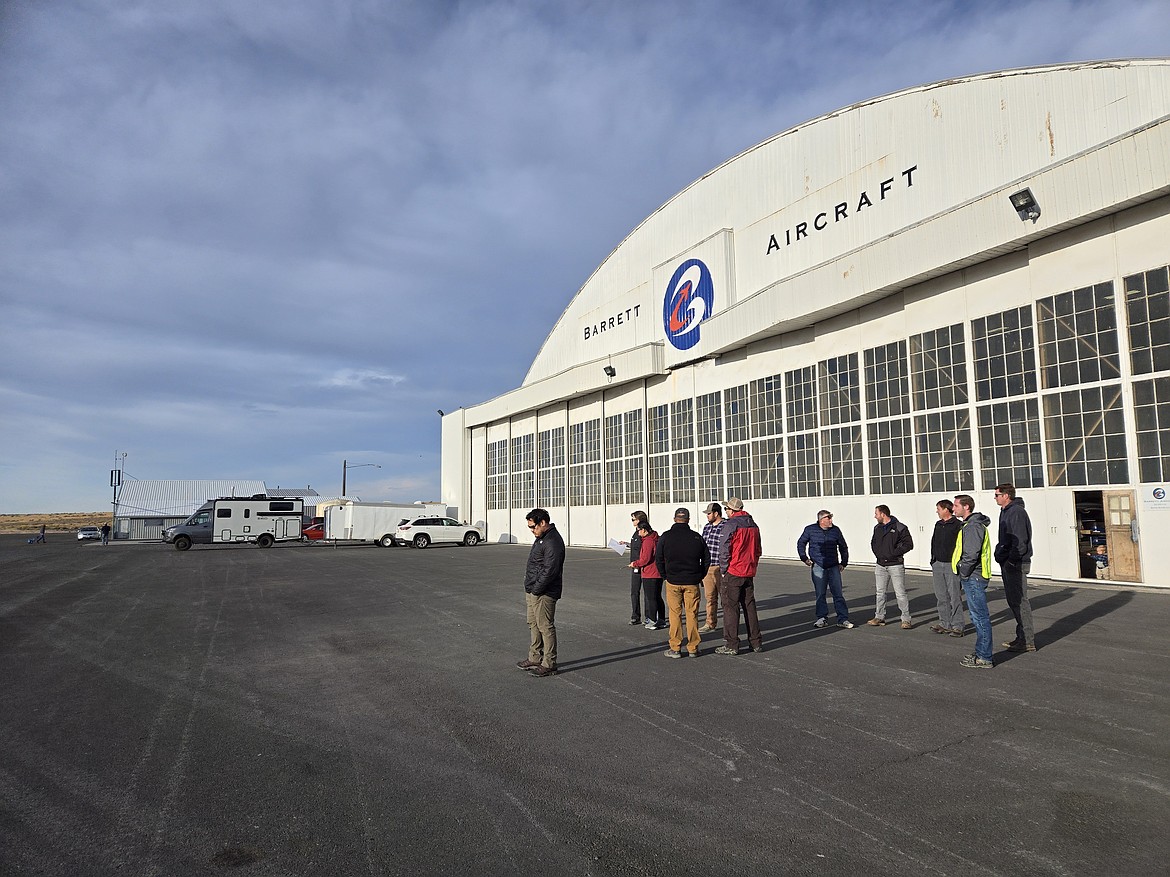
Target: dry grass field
(58,522)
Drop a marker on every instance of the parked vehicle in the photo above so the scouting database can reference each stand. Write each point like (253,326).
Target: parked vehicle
(261,519)
(86,533)
(429,530)
(378,522)
(314,531)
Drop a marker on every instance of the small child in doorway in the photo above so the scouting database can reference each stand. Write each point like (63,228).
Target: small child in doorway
(1100,557)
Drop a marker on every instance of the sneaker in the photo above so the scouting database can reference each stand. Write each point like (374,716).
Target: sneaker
(527,665)
(650,625)
(662,625)
(706,628)
(634,621)
(725,650)
(541,670)
(821,622)
(692,654)
(847,624)
(955,631)
(1019,647)
(876,622)
(757,649)
(906,625)
(671,653)
(938,628)
(976,663)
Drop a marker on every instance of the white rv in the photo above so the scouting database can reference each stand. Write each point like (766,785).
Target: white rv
(261,519)
(373,521)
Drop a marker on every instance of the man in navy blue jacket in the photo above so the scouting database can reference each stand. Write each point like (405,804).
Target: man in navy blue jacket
(822,547)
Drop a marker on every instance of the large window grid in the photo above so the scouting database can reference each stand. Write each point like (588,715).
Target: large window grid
(660,478)
(550,473)
(614,463)
(682,424)
(710,472)
(943,451)
(683,470)
(497,474)
(658,429)
(887,386)
(842,468)
(739,471)
(800,391)
(938,368)
(1009,444)
(523,476)
(768,468)
(840,391)
(891,457)
(735,414)
(1004,348)
(709,420)
(804,471)
(1084,432)
(1151,402)
(1078,337)
(584,462)
(635,468)
(1147,307)
(766,410)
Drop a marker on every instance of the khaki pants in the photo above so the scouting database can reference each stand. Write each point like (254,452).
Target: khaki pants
(711,584)
(543,648)
(680,598)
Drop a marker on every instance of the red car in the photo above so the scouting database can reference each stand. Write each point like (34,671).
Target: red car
(315,530)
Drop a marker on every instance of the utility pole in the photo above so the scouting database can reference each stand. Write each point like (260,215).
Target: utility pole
(116,483)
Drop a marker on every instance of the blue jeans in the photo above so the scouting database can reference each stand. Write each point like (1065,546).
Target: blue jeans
(976,590)
(829,577)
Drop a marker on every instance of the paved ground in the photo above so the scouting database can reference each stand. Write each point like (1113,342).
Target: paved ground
(310,710)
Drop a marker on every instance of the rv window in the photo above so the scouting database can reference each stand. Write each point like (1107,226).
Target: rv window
(280,506)
(247,513)
(223,513)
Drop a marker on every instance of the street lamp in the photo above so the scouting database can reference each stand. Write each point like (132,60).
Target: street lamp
(345,466)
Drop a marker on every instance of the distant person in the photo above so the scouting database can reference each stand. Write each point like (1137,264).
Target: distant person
(635,546)
(653,606)
(948,590)
(682,558)
(542,589)
(972,562)
(739,558)
(1100,556)
(891,540)
(1013,553)
(822,548)
(40,535)
(712,530)
(105,534)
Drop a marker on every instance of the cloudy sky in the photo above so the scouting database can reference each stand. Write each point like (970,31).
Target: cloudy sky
(247,239)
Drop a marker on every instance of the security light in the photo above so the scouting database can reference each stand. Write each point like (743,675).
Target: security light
(610,371)
(1026,205)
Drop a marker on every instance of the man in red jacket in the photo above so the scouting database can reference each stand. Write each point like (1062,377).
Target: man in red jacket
(739,556)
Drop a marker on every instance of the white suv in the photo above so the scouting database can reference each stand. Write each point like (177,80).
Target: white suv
(428,529)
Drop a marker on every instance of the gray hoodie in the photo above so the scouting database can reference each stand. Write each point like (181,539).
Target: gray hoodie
(974,527)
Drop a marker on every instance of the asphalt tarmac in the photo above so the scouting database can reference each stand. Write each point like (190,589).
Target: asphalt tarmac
(312,710)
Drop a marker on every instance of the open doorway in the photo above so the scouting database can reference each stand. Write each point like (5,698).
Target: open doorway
(1107,535)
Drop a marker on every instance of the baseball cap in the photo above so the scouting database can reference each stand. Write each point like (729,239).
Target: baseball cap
(824,513)
(682,513)
(734,503)
(713,509)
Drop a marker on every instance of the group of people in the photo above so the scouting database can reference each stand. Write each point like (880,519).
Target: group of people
(722,562)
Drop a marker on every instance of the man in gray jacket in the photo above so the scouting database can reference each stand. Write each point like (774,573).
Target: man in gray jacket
(971,561)
(1013,553)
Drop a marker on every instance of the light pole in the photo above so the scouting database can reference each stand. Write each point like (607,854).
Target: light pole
(345,467)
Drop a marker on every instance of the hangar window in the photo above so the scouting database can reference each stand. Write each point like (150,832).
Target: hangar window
(841,461)
(497,474)
(576,443)
(614,465)
(768,468)
(657,424)
(804,478)
(766,409)
(938,368)
(623,438)
(735,413)
(1147,305)
(710,463)
(887,387)
(635,490)
(523,474)
(550,478)
(1009,444)
(891,457)
(633,433)
(585,448)
(943,451)
(1004,348)
(739,471)
(840,393)
(1151,408)
(1078,337)
(709,420)
(682,424)
(660,478)
(683,469)
(1085,437)
(800,387)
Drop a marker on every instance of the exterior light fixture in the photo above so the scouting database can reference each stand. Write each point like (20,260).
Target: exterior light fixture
(610,371)
(1025,204)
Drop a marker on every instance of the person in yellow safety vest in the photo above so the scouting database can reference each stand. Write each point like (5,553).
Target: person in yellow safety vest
(972,562)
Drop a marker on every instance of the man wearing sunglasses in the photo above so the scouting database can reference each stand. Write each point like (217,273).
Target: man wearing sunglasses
(542,589)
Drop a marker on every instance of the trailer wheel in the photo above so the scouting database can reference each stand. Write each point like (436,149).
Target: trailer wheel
(471,539)
(422,540)
(265,540)
(182,543)
(386,541)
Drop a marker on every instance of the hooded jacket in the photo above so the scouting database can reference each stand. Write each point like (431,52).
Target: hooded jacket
(973,548)
(645,563)
(890,542)
(546,561)
(1015,534)
(739,545)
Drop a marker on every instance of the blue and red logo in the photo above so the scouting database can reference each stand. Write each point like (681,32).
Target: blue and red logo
(690,299)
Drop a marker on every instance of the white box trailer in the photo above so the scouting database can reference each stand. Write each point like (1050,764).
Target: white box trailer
(373,521)
(264,520)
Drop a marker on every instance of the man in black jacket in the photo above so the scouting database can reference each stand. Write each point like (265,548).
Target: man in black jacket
(1013,553)
(948,590)
(542,589)
(891,540)
(682,557)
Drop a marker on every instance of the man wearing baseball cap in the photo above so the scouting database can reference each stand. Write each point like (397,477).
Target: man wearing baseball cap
(739,557)
(822,547)
(712,530)
(682,559)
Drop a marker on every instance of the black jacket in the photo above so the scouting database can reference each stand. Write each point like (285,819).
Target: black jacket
(682,557)
(1015,534)
(546,561)
(890,542)
(942,543)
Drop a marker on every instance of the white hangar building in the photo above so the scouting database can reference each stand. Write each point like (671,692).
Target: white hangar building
(930,292)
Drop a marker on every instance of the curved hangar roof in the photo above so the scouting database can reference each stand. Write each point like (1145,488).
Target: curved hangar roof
(857,204)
